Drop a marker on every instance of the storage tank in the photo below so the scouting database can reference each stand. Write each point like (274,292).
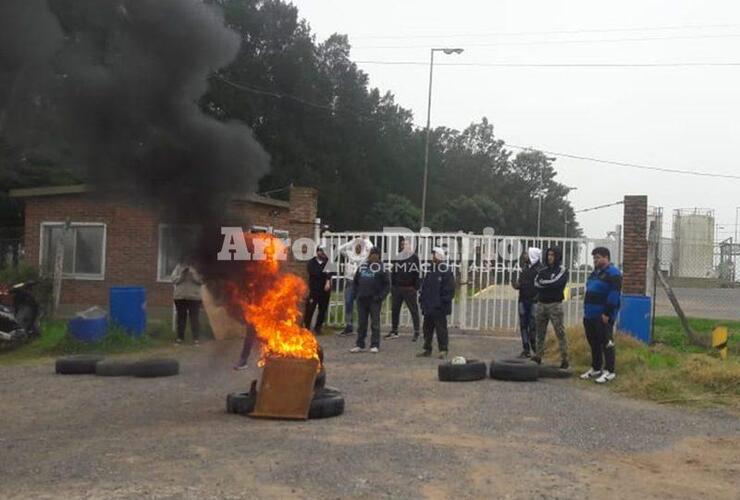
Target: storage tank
(693,243)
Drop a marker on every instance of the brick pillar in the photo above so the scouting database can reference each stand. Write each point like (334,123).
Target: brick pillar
(635,244)
(303,210)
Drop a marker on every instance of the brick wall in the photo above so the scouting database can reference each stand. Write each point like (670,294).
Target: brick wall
(132,240)
(635,244)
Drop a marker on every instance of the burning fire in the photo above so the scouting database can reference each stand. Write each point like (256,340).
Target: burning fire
(271,305)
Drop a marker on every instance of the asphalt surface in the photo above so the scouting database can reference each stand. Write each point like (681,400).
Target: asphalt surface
(404,435)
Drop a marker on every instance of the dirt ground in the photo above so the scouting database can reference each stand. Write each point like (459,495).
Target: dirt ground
(404,435)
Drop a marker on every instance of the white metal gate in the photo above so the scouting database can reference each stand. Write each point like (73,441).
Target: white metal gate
(483,265)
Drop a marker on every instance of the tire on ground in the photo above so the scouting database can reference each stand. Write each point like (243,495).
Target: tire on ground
(471,370)
(320,380)
(551,371)
(150,368)
(112,368)
(514,370)
(77,365)
(240,403)
(326,403)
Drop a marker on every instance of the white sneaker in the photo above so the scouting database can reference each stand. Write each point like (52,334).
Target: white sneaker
(374,350)
(357,349)
(606,376)
(591,373)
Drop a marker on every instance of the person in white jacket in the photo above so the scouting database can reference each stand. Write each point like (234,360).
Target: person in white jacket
(354,253)
(187,297)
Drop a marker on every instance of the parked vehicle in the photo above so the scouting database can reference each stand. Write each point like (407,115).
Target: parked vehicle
(19,314)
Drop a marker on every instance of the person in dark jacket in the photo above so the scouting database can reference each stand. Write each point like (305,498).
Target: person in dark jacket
(550,284)
(437,292)
(530,265)
(405,287)
(601,304)
(371,286)
(319,291)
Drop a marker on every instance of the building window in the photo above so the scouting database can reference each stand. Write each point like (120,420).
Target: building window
(280,234)
(175,241)
(84,249)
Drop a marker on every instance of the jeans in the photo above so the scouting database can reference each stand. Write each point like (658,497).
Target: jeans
(320,299)
(247,346)
(527,325)
(187,308)
(551,312)
(368,309)
(349,301)
(435,322)
(404,295)
(601,339)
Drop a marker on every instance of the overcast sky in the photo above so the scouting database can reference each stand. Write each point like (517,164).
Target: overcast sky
(675,117)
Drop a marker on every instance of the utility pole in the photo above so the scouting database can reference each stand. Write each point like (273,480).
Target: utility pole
(429,131)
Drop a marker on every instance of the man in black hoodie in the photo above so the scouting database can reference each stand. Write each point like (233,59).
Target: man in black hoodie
(437,292)
(405,281)
(319,291)
(530,266)
(550,284)
(372,284)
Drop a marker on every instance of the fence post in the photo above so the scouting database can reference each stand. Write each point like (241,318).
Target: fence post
(464,282)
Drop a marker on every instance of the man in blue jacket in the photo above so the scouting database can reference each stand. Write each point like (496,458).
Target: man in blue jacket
(371,285)
(437,292)
(603,291)
(550,284)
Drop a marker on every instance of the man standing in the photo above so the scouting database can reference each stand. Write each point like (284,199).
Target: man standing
(550,284)
(405,280)
(603,290)
(371,285)
(530,264)
(437,292)
(354,252)
(319,291)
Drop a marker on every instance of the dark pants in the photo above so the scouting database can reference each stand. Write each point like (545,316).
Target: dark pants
(320,299)
(601,339)
(404,295)
(247,346)
(527,325)
(435,322)
(368,309)
(187,308)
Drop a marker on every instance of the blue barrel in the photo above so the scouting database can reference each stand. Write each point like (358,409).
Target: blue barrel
(128,308)
(88,329)
(634,316)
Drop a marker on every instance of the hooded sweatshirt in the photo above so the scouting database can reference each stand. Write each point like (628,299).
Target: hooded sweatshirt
(525,283)
(353,260)
(603,291)
(372,282)
(551,279)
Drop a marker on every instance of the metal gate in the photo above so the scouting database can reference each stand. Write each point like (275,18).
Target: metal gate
(483,265)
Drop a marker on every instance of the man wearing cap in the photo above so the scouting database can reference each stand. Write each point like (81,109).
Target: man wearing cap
(437,292)
(372,284)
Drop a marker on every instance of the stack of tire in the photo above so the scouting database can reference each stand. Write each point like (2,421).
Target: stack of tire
(327,401)
(98,365)
(517,370)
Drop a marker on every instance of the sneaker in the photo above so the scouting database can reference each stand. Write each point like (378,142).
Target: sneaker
(424,354)
(524,354)
(415,337)
(357,349)
(347,331)
(442,355)
(564,365)
(241,366)
(392,335)
(374,350)
(606,376)
(537,359)
(591,373)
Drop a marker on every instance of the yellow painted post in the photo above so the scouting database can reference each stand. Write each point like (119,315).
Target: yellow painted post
(719,340)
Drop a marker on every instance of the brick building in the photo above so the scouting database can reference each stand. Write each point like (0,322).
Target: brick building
(116,243)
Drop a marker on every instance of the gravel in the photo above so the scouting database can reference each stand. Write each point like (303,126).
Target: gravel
(404,434)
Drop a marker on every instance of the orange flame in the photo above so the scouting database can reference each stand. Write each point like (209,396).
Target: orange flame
(272,305)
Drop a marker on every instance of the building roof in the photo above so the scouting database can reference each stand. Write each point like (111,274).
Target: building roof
(83,188)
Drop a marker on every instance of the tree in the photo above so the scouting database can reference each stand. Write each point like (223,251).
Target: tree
(394,210)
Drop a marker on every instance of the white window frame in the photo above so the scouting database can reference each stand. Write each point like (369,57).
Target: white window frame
(76,276)
(160,263)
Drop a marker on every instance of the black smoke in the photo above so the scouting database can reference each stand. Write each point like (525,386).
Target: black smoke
(112,87)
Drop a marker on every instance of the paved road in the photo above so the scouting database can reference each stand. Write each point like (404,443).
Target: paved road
(714,303)
(404,435)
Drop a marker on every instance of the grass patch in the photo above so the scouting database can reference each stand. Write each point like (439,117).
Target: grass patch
(661,372)
(669,331)
(55,340)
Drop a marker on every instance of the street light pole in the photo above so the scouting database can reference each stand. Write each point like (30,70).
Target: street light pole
(565,210)
(429,130)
